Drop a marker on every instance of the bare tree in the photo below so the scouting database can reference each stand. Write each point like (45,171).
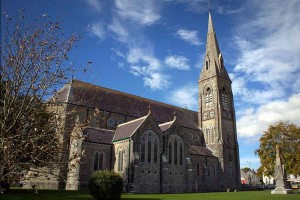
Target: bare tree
(34,62)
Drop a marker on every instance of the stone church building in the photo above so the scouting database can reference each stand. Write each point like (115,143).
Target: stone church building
(156,147)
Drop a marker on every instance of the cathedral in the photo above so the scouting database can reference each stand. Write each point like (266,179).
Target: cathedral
(155,147)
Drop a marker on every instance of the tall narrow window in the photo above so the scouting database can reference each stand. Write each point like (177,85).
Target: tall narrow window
(175,151)
(149,147)
(175,147)
(101,161)
(120,159)
(170,152)
(207,135)
(155,150)
(143,146)
(96,161)
(212,136)
(181,153)
(208,98)
(214,139)
(224,99)
(206,65)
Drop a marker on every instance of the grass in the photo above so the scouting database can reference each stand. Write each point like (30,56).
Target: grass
(17,194)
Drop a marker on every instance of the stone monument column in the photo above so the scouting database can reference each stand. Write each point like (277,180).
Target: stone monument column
(75,153)
(280,176)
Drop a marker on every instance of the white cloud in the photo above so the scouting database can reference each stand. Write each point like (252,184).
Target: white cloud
(254,121)
(269,46)
(266,77)
(117,52)
(94,4)
(98,30)
(144,64)
(186,96)
(189,36)
(118,29)
(141,12)
(143,57)
(177,62)
(120,65)
(156,81)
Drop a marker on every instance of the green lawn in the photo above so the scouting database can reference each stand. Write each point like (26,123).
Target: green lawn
(84,195)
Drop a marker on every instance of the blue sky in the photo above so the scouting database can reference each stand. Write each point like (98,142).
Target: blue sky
(155,49)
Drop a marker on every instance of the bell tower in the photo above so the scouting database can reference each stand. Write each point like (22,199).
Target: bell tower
(216,112)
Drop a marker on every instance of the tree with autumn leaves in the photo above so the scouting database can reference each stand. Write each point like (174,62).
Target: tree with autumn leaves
(287,136)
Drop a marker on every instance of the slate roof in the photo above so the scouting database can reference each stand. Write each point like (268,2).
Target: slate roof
(200,150)
(98,135)
(125,130)
(93,96)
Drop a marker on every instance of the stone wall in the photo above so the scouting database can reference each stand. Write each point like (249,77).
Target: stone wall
(87,160)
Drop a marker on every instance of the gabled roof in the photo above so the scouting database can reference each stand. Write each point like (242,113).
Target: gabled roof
(93,96)
(165,126)
(125,130)
(96,135)
(200,150)
(62,95)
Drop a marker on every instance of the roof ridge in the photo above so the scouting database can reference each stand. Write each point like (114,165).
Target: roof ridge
(100,129)
(165,123)
(134,120)
(132,95)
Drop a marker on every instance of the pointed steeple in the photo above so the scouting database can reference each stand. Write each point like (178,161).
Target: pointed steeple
(213,62)
(211,41)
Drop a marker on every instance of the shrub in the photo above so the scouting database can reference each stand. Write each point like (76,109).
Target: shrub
(104,185)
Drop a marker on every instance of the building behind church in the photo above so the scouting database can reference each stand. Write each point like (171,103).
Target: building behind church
(156,147)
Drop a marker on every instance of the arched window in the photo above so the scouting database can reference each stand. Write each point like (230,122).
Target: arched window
(208,98)
(224,99)
(99,161)
(120,159)
(149,147)
(175,149)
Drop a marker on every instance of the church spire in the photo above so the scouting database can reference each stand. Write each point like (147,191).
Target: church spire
(212,43)
(213,62)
